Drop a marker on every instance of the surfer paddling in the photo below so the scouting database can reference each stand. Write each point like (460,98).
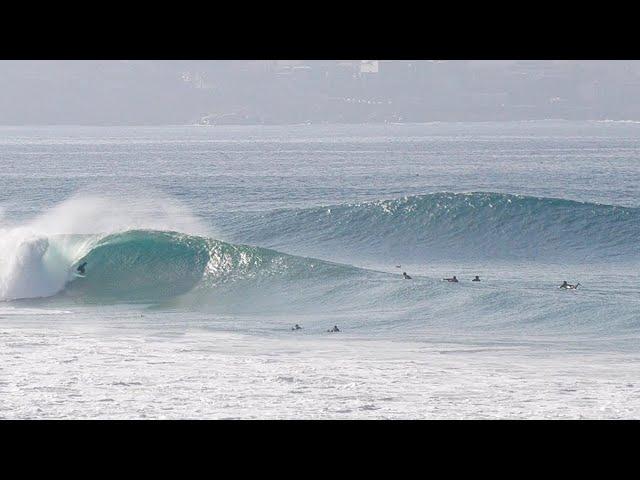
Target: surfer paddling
(569,286)
(451,280)
(405,276)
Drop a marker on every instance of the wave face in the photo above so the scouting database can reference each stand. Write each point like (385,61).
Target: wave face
(444,226)
(187,272)
(141,265)
(150,266)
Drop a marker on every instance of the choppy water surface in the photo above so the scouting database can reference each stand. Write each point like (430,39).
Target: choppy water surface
(204,245)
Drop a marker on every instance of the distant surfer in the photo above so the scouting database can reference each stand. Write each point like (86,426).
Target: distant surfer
(296,327)
(81,268)
(569,286)
(476,278)
(451,280)
(406,277)
(334,329)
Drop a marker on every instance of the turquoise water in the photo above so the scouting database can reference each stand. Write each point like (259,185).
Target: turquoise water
(525,205)
(248,230)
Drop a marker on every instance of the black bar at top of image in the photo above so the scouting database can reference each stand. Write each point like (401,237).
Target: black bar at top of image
(402,32)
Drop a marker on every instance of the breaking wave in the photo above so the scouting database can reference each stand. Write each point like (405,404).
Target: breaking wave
(173,269)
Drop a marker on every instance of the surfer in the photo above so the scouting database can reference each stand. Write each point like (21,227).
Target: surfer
(569,286)
(476,278)
(406,277)
(81,268)
(334,329)
(296,327)
(451,280)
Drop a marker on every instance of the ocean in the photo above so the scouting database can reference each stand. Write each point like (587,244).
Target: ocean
(205,245)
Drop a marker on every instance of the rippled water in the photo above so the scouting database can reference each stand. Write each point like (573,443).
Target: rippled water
(204,245)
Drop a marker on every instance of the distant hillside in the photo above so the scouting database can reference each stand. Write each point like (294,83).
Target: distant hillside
(222,92)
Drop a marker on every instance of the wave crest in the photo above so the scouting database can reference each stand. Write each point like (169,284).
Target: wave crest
(458,226)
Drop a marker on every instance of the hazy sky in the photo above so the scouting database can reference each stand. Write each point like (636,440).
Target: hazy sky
(184,92)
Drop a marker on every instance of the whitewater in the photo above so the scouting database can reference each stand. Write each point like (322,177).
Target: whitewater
(204,246)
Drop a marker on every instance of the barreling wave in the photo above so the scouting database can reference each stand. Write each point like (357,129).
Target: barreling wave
(179,271)
(154,266)
(444,226)
(140,265)
(170,269)
(151,266)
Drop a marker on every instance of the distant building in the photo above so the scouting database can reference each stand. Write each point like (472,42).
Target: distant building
(369,66)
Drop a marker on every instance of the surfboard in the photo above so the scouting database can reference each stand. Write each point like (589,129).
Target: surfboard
(79,275)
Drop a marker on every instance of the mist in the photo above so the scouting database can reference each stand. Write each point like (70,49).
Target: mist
(110,92)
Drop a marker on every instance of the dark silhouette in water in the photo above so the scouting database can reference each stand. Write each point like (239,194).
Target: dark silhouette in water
(451,280)
(406,277)
(476,278)
(334,329)
(296,327)
(569,286)
(81,268)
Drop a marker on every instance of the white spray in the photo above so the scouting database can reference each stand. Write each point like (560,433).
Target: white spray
(36,258)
